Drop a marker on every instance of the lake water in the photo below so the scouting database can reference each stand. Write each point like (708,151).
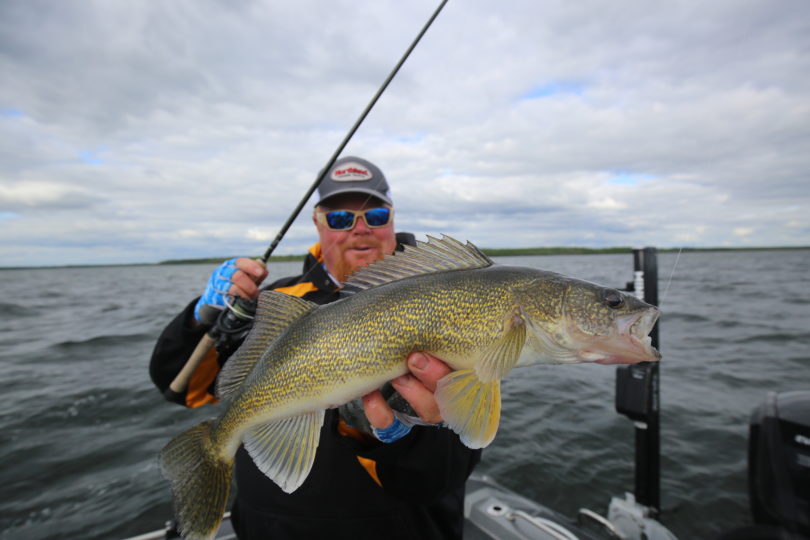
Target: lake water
(81,423)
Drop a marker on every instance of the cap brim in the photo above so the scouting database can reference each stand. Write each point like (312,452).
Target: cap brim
(370,192)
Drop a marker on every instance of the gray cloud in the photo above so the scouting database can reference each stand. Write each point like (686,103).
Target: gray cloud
(146,131)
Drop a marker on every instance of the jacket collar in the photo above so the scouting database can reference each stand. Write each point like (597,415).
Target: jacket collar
(315,271)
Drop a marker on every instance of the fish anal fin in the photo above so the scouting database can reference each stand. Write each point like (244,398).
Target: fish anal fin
(284,450)
(501,356)
(470,407)
(275,311)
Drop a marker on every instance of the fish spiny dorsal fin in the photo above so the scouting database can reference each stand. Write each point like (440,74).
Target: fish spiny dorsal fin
(274,313)
(435,255)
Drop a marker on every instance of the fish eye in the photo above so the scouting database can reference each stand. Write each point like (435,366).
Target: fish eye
(613,298)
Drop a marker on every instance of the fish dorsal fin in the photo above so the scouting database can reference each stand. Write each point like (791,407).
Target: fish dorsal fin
(284,450)
(435,255)
(274,313)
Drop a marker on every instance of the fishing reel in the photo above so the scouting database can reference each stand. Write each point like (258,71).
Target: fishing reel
(233,325)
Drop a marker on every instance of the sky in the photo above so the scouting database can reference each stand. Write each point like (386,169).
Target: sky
(146,131)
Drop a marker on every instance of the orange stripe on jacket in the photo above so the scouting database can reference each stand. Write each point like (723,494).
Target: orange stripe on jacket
(298,290)
(197,393)
(316,251)
(368,464)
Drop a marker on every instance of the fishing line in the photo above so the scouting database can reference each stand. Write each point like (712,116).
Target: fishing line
(240,313)
(349,135)
(343,144)
(669,282)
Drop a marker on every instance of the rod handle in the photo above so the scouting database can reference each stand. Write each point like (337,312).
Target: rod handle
(180,382)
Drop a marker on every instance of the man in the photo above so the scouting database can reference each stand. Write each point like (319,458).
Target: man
(375,475)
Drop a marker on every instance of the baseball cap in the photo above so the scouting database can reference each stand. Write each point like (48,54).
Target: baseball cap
(354,175)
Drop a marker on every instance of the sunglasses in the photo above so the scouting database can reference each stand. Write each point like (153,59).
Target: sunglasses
(344,220)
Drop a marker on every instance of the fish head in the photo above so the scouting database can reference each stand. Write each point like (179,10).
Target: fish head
(573,321)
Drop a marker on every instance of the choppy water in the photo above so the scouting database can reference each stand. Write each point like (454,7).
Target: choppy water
(81,424)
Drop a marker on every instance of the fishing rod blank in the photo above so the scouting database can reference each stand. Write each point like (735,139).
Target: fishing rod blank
(230,316)
(348,136)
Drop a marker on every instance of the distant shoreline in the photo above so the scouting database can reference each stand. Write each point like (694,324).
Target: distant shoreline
(492,252)
(527,252)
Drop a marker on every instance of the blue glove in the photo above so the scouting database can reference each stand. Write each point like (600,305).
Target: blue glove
(392,433)
(215,296)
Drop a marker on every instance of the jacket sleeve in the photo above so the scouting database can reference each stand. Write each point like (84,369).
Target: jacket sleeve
(173,348)
(423,466)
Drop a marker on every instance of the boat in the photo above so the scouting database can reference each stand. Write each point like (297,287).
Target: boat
(778,468)
(491,512)
(494,512)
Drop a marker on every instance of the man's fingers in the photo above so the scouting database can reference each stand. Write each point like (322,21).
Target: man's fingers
(378,413)
(419,396)
(252,269)
(428,369)
(244,286)
(416,388)
(247,278)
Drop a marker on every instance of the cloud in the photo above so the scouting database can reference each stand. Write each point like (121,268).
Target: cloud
(147,131)
(44,196)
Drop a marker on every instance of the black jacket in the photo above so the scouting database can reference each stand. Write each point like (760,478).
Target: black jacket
(358,488)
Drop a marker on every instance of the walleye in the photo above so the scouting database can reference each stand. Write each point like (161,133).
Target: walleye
(442,297)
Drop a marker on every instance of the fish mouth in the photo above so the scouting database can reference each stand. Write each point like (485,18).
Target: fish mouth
(629,345)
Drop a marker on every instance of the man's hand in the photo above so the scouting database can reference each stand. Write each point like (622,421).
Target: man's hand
(245,281)
(235,277)
(417,387)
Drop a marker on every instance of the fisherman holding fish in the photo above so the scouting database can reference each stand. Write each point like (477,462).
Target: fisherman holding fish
(384,466)
(309,352)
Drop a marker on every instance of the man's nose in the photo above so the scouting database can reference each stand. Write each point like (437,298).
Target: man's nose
(360,226)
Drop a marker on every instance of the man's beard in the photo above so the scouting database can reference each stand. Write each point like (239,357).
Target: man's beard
(345,268)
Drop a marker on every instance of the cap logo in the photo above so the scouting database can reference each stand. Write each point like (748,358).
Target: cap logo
(351,172)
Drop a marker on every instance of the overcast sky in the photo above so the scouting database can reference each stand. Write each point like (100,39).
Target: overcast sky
(145,131)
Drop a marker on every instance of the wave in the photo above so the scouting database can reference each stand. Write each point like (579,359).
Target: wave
(668,316)
(780,337)
(17,310)
(105,341)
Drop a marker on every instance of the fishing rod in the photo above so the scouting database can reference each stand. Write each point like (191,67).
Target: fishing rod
(349,135)
(235,320)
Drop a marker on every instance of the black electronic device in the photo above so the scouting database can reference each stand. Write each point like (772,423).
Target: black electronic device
(779,462)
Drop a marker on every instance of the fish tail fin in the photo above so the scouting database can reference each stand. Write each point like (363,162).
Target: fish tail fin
(200,481)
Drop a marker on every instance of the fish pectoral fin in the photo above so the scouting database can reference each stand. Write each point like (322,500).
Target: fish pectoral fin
(500,357)
(284,450)
(470,407)
(275,311)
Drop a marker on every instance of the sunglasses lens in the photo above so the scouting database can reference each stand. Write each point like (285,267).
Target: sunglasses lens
(340,219)
(377,217)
